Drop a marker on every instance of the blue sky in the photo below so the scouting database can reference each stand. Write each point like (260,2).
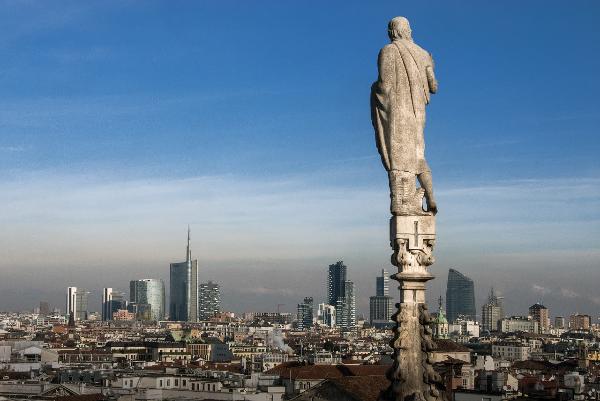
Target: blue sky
(121,122)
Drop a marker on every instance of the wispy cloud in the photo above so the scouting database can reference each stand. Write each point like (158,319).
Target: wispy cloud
(12,149)
(74,224)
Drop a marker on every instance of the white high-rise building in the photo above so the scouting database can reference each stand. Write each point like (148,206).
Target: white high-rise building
(77,303)
(326,315)
(71,307)
(107,296)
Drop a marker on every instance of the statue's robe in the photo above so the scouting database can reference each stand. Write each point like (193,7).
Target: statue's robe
(398,101)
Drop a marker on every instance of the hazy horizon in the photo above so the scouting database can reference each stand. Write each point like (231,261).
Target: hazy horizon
(123,122)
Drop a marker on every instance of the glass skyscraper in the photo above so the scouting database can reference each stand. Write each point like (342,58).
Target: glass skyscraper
(112,301)
(147,296)
(381,305)
(460,296)
(183,280)
(335,282)
(77,303)
(341,295)
(305,314)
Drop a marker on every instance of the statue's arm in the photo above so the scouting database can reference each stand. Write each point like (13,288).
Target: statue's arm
(433,84)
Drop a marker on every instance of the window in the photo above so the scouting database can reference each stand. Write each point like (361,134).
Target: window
(177,382)
(184,383)
(160,383)
(168,382)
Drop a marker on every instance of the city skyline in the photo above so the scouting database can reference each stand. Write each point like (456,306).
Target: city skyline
(110,145)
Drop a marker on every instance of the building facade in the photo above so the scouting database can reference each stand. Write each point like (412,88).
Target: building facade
(516,324)
(580,322)
(460,296)
(210,300)
(492,312)
(112,301)
(305,314)
(381,306)
(335,282)
(341,295)
(539,313)
(147,297)
(326,315)
(77,303)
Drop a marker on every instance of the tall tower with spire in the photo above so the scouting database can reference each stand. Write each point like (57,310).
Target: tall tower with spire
(492,312)
(189,249)
(439,325)
(184,286)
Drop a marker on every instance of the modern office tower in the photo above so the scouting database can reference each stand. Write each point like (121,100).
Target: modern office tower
(305,314)
(112,301)
(326,315)
(382,287)
(335,282)
(539,313)
(345,308)
(44,308)
(460,296)
(492,312)
(381,305)
(77,303)
(107,296)
(559,322)
(183,305)
(210,300)
(147,297)
(71,305)
(580,322)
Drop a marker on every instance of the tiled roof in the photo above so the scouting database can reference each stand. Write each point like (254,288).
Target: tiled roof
(320,372)
(83,397)
(443,345)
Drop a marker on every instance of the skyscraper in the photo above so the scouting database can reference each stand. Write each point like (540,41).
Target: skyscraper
(341,295)
(305,314)
(345,309)
(492,312)
(210,300)
(107,296)
(148,299)
(460,296)
(326,315)
(335,282)
(77,303)
(381,305)
(183,305)
(539,313)
(71,304)
(382,287)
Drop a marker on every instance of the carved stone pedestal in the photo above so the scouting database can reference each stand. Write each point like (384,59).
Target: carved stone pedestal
(412,375)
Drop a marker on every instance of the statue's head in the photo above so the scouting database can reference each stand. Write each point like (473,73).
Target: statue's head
(399,28)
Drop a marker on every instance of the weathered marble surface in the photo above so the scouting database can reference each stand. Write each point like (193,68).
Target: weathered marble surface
(398,99)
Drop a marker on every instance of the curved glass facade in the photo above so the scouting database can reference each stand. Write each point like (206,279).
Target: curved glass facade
(149,292)
(460,296)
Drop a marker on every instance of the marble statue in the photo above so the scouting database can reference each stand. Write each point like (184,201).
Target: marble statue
(398,99)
